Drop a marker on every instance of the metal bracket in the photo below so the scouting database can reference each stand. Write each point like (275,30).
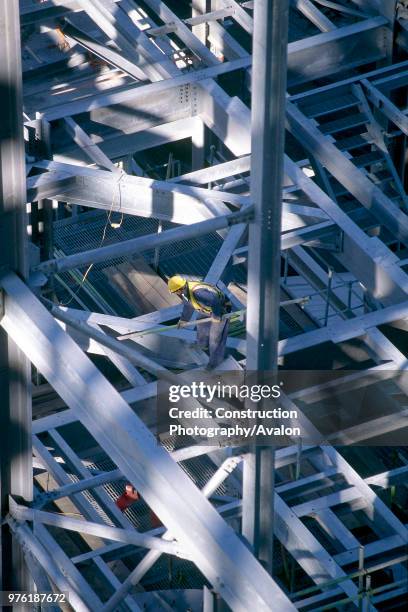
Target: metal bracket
(333,242)
(244,216)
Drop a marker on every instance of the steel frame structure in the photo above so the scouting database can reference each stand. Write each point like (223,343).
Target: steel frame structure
(101,83)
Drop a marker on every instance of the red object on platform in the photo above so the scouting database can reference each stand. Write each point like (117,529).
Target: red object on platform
(128,497)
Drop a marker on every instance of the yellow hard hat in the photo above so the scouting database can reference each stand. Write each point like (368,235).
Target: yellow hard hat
(175,283)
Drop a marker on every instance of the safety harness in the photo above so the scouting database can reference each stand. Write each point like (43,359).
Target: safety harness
(196,304)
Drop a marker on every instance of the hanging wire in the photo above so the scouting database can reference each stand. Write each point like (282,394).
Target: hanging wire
(113,226)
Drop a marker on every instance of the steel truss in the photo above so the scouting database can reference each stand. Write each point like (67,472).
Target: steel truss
(135,76)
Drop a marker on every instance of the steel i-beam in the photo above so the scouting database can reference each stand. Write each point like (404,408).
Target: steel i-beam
(213,546)
(268,137)
(15,401)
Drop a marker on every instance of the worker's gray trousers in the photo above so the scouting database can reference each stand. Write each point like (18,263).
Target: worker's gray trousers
(213,336)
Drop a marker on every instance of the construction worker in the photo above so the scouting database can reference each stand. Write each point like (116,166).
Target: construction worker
(131,496)
(128,498)
(209,302)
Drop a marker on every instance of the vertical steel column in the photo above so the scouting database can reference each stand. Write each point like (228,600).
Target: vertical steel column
(198,138)
(15,401)
(268,134)
(198,145)
(43,133)
(200,7)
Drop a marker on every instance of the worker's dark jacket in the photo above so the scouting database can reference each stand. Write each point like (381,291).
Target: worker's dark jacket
(204,298)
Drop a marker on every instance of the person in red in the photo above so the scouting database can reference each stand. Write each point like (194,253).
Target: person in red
(128,497)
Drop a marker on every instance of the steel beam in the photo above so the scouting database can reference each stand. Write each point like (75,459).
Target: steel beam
(268,111)
(215,172)
(128,371)
(77,487)
(16,473)
(336,6)
(120,29)
(148,91)
(137,245)
(61,562)
(386,8)
(262,329)
(297,539)
(47,184)
(127,352)
(367,258)
(152,556)
(315,16)
(181,203)
(40,577)
(332,51)
(227,117)
(119,146)
(152,201)
(126,536)
(111,55)
(83,601)
(86,508)
(325,561)
(314,57)
(343,330)
(213,546)
(46,10)
(336,51)
(370,196)
(381,512)
(81,138)
(149,189)
(386,106)
(340,332)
